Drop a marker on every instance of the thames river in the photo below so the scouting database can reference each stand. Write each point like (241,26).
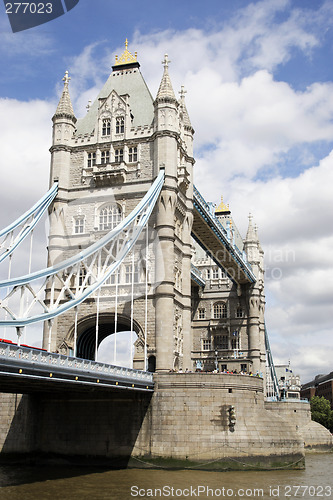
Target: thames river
(82,483)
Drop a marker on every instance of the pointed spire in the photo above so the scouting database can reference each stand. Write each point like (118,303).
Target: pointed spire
(165,92)
(251,234)
(65,107)
(186,118)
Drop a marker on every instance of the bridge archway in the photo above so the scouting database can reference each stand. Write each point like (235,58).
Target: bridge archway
(86,332)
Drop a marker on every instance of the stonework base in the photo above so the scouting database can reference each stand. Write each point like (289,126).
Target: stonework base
(188,421)
(184,424)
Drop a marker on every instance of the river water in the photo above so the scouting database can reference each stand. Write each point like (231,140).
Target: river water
(82,483)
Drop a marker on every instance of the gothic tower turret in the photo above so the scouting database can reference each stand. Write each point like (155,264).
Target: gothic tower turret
(173,152)
(165,154)
(256,299)
(63,129)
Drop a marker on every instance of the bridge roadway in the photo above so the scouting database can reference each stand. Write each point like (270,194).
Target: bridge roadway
(25,370)
(217,242)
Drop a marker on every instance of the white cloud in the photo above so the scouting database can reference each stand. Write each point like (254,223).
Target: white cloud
(295,229)
(25,138)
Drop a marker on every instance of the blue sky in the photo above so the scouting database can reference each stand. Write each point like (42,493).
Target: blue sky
(259,83)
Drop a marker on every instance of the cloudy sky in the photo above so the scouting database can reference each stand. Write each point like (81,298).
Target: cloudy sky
(259,87)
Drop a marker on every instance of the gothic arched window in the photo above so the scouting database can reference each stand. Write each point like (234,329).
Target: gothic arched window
(119,155)
(105,157)
(91,159)
(120,125)
(239,312)
(109,217)
(106,126)
(133,154)
(219,310)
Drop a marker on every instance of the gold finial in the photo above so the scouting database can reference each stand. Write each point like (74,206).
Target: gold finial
(222,208)
(126,57)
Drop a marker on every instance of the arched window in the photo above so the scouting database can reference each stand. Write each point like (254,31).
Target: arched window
(106,126)
(119,155)
(105,157)
(132,154)
(120,125)
(109,217)
(91,159)
(239,312)
(79,224)
(215,271)
(152,364)
(84,280)
(219,310)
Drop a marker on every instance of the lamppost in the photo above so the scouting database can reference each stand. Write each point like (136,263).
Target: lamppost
(216,364)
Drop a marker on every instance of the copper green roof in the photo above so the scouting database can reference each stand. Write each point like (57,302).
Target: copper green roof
(123,81)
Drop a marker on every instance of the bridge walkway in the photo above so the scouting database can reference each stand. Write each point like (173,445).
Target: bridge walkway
(215,240)
(26,369)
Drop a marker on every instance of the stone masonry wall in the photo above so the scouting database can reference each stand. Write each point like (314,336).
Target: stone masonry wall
(17,423)
(315,436)
(188,420)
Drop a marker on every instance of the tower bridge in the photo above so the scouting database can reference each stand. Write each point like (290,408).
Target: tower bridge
(113,256)
(133,246)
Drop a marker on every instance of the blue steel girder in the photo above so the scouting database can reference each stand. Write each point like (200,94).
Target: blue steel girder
(209,233)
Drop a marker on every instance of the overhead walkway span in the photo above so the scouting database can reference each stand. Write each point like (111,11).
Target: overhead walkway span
(217,242)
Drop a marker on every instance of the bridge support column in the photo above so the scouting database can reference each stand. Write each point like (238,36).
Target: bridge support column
(164,314)
(187,312)
(254,330)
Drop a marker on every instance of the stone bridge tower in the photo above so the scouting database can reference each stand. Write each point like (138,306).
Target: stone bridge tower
(104,164)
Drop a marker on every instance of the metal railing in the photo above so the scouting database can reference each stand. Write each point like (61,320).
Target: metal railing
(40,359)
(196,275)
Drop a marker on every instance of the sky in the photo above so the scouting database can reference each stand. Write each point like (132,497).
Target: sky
(259,82)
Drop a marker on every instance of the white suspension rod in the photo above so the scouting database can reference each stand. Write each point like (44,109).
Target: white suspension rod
(75,332)
(115,319)
(50,333)
(97,326)
(132,306)
(146,302)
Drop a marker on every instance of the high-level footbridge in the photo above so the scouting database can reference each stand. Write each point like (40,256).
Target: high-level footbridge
(217,242)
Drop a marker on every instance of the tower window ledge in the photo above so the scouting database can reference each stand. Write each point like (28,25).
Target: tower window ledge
(218,323)
(109,176)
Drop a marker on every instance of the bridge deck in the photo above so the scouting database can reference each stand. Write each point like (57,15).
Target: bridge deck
(26,370)
(215,240)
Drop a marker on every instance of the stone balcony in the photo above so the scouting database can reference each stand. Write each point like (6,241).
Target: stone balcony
(109,174)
